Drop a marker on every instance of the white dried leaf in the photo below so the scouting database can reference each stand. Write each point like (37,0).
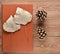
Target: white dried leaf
(22,16)
(10,25)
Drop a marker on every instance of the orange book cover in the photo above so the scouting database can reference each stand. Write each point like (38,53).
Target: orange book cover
(22,40)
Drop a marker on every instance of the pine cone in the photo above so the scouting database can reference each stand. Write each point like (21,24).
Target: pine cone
(41,15)
(42,33)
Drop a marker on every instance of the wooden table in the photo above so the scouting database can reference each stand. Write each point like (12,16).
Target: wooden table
(50,44)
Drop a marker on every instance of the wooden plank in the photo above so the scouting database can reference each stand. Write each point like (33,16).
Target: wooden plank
(31,0)
(0,31)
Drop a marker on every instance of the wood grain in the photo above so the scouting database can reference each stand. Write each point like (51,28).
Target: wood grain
(50,44)
(0,31)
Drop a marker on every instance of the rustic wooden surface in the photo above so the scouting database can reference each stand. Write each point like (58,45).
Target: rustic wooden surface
(50,44)
(0,31)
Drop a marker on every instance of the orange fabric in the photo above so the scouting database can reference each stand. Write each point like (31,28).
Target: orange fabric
(22,40)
